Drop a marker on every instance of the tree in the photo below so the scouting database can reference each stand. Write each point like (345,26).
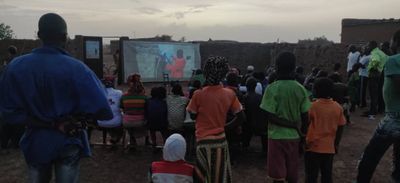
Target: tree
(6,32)
(316,41)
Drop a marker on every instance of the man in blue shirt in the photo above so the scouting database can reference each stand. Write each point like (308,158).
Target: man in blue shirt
(43,89)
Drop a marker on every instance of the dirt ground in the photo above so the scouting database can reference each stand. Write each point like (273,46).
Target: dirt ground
(122,166)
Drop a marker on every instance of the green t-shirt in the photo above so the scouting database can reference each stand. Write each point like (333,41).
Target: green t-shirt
(390,95)
(287,99)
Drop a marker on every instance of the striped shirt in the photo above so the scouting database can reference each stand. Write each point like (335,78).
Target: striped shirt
(133,104)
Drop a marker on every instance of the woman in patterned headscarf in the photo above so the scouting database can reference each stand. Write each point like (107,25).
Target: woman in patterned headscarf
(133,105)
(209,107)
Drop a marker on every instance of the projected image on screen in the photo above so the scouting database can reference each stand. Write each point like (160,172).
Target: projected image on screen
(154,59)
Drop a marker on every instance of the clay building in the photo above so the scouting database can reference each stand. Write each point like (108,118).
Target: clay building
(360,31)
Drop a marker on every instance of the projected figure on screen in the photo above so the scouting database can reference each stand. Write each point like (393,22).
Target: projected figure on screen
(176,67)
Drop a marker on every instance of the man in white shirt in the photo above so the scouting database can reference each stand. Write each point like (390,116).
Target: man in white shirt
(364,60)
(352,58)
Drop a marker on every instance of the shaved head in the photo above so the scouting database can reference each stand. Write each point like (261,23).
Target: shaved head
(52,28)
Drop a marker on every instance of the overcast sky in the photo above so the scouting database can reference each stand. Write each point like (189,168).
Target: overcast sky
(242,20)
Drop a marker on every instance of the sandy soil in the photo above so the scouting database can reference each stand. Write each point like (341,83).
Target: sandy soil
(122,166)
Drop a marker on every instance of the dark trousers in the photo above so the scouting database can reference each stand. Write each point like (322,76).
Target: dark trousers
(318,162)
(363,91)
(385,135)
(381,102)
(374,93)
(11,133)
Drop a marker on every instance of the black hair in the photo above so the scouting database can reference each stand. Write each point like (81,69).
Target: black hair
(323,88)
(372,45)
(177,90)
(179,53)
(155,92)
(162,92)
(196,84)
(285,65)
(260,76)
(352,49)
(232,79)
(251,84)
(337,67)
(12,50)
(335,77)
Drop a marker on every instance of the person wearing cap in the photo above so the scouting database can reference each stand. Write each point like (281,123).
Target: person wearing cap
(53,94)
(173,168)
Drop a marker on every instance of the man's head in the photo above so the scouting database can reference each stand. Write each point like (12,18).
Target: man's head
(52,29)
(372,45)
(352,49)
(179,53)
(215,69)
(251,84)
(232,79)
(12,50)
(395,43)
(323,88)
(177,90)
(285,65)
(385,47)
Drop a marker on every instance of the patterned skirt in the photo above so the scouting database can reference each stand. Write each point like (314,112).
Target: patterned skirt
(213,163)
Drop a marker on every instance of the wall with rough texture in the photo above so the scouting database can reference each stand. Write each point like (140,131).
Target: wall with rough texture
(240,55)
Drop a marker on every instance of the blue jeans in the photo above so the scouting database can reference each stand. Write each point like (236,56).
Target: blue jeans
(386,134)
(66,168)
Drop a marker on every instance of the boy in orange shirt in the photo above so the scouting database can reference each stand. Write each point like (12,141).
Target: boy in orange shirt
(324,132)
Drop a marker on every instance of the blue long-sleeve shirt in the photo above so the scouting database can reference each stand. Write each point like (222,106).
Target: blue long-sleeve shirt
(46,85)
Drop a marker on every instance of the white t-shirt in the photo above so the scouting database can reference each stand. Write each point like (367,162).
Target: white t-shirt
(114,99)
(352,59)
(258,89)
(364,61)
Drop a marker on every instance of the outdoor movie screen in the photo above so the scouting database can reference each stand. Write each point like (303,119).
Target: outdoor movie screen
(154,59)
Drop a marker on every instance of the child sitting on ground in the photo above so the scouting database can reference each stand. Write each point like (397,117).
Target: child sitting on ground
(173,168)
(324,132)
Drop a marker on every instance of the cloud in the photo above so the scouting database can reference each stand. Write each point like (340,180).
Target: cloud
(148,10)
(199,8)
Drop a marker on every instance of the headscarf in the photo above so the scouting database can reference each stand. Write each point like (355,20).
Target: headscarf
(174,148)
(135,85)
(108,81)
(215,69)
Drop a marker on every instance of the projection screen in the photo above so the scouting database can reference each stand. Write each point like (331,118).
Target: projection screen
(154,59)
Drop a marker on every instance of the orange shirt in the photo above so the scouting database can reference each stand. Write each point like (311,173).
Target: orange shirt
(211,104)
(325,117)
(177,67)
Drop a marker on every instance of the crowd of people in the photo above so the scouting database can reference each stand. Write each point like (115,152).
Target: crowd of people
(294,114)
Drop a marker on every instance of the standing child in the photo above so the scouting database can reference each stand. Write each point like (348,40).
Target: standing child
(324,132)
(286,104)
(156,114)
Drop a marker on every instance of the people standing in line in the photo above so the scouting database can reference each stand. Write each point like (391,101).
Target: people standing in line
(364,61)
(53,94)
(286,103)
(352,58)
(156,113)
(324,132)
(113,126)
(255,123)
(176,104)
(375,68)
(209,107)
(387,132)
(133,104)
